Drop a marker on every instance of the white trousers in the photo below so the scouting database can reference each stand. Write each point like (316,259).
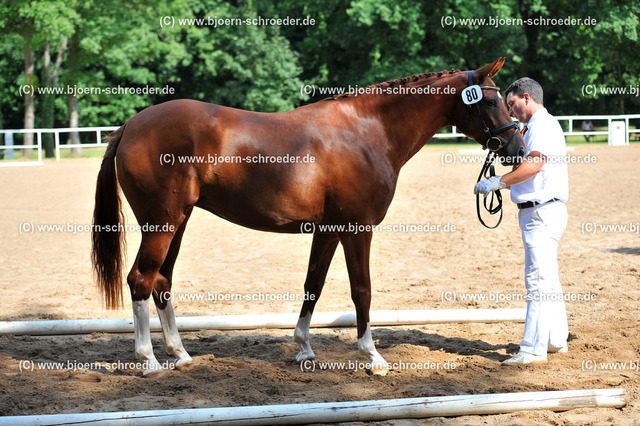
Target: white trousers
(546,321)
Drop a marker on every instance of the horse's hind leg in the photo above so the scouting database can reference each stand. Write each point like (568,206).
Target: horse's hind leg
(162,297)
(143,279)
(151,274)
(322,251)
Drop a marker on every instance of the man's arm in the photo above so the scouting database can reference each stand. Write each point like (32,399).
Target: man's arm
(530,167)
(533,164)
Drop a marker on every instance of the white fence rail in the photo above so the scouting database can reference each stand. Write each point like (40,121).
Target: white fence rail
(571,119)
(8,148)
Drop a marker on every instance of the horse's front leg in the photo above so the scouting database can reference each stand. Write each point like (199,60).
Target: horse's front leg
(322,251)
(357,250)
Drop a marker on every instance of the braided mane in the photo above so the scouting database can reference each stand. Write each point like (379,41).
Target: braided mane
(423,77)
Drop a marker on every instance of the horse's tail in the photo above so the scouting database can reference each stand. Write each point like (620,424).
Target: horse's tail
(107,234)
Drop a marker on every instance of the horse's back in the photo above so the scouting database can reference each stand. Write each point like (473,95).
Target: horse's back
(251,168)
(270,171)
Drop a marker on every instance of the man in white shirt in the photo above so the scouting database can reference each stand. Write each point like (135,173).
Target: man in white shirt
(540,188)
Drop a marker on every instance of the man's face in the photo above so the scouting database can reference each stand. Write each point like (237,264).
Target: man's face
(518,106)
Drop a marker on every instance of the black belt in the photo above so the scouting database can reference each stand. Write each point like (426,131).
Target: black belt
(530,204)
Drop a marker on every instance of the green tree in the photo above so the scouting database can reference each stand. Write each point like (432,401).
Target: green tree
(617,41)
(109,43)
(41,24)
(240,65)
(355,43)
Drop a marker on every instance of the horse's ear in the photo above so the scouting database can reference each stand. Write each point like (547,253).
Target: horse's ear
(490,70)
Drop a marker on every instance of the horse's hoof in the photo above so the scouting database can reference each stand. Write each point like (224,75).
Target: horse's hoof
(153,373)
(304,355)
(183,364)
(379,370)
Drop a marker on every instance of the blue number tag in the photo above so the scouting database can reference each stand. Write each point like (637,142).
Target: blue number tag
(472,94)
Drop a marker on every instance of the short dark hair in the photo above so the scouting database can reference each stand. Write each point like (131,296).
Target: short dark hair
(526,85)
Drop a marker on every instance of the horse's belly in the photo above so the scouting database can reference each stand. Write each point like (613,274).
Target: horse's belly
(266,204)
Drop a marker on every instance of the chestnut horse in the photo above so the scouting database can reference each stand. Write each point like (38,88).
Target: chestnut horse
(359,143)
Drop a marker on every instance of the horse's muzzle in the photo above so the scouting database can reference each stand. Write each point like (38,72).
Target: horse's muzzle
(513,159)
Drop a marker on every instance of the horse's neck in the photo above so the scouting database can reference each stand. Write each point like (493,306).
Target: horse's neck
(411,120)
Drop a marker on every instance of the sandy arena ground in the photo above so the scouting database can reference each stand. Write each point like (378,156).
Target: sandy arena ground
(47,275)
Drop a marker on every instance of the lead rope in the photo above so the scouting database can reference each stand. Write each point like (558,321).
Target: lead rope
(488,170)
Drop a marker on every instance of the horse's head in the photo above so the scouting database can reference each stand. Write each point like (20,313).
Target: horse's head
(481,113)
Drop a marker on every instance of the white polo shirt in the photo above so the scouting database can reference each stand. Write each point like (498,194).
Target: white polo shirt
(544,135)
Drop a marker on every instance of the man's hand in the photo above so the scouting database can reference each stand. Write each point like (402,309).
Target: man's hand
(488,185)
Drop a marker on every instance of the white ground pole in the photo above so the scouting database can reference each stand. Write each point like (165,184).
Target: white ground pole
(248,322)
(330,412)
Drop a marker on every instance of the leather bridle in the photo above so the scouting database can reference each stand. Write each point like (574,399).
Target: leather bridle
(488,170)
(493,144)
